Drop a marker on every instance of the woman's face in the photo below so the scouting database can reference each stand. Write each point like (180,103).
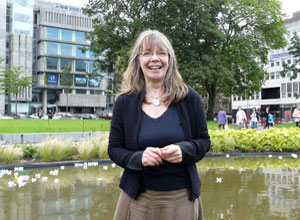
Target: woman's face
(154,63)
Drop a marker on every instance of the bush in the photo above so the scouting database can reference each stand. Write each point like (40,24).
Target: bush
(56,149)
(248,140)
(30,151)
(10,153)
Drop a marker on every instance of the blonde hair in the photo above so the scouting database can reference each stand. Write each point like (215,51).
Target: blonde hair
(133,79)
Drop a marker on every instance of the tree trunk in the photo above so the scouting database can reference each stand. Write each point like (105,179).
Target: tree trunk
(211,101)
(67,102)
(16,106)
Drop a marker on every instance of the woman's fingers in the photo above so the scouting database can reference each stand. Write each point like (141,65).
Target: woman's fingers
(152,157)
(172,153)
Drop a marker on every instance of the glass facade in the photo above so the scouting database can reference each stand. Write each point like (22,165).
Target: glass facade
(66,50)
(66,35)
(52,33)
(80,66)
(52,48)
(51,63)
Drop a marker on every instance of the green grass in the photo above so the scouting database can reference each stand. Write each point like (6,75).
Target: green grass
(8,126)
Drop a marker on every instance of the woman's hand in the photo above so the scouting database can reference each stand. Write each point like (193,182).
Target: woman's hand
(172,153)
(152,156)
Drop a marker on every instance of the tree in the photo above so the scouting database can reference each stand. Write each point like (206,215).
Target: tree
(220,45)
(66,80)
(295,51)
(11,82)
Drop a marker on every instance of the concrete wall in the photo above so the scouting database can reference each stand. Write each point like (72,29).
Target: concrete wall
(82,100)
(21,56)
(39,137)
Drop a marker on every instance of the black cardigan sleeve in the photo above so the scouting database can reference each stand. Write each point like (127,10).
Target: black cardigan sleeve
(195,148)
(117,150)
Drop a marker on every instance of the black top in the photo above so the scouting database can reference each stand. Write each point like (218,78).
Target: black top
(161,132)
(123,146)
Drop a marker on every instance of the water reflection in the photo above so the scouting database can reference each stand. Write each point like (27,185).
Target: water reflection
(248,188)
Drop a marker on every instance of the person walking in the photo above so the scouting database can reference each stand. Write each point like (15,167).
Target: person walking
(240,118)
(266,116)
(296,115)
(158,133)
(254,118)
(222,118)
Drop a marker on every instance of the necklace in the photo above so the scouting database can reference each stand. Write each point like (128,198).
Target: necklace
(155,101)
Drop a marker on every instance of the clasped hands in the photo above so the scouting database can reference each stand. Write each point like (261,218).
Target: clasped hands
(154,156)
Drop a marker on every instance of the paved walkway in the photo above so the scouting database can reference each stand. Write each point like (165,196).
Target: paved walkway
(34,138)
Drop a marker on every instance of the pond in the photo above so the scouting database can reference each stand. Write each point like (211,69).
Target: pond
(232,188)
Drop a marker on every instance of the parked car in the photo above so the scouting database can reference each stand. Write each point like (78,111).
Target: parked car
(35,116)
(19,115)
(5,117)
(88,116)
(65,115)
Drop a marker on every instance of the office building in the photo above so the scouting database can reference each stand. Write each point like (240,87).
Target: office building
(278,93)
(44,38)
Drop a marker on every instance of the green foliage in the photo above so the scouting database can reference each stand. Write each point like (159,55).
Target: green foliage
(85,149)
(217,42)
(248,140)
(30,151)
(56,149)
(295,51)
(10,153)
(12,81)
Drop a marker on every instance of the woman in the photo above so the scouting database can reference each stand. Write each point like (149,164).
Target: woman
(296,115)
(267,117)
(241,118)
(222,118)
(158,132)
(254,118)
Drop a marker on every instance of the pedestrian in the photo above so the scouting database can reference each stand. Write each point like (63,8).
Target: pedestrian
(296,115)
(254,118)
(222,118)
(158,132)
(266,116)
(241,118)
(270,120)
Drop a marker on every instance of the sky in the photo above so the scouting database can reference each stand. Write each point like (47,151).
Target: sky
(288,6)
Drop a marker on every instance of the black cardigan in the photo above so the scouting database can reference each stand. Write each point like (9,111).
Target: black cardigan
(123,140)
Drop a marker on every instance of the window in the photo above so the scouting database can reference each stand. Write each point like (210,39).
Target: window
(52,33)
(270,93)
(66,49)
(234,98)
(51,63)
(289,61)
(52,48)
(80,91)
(272,64)
(289,74)
(66,35)
(277,75)
(90,67)
(277,63)
(80,66)
(283,90)
(66,62)
(21,17)
(294,61)
(80,36)
(257,95)
(91,55)
(79,52)
(289,90)
(273,75)
(80,80)
(295,89)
